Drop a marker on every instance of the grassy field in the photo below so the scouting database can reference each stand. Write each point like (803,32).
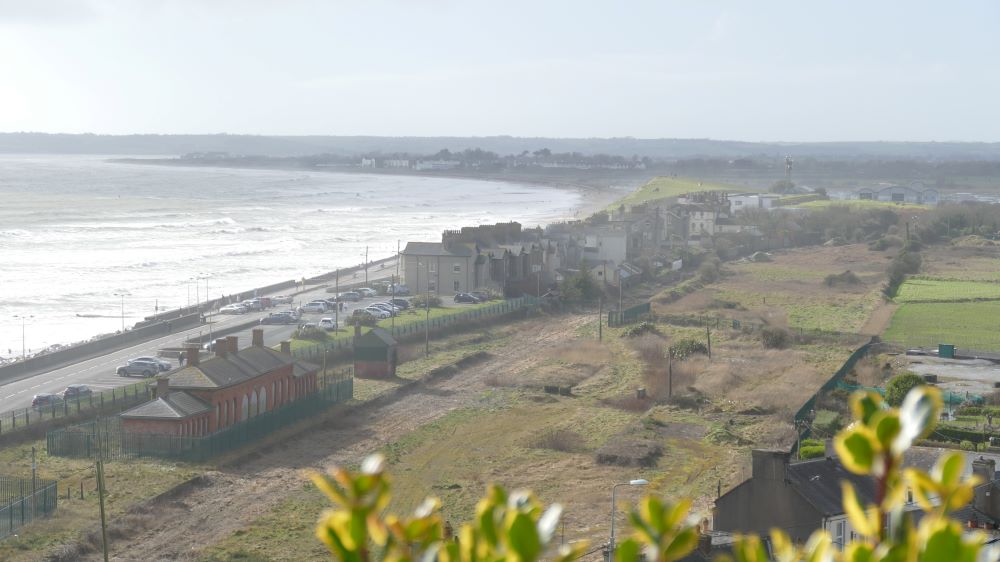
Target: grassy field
(970,325)
(859,204)
(662,187)
(938,290)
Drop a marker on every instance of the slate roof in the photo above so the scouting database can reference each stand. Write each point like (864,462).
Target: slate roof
(376,337)
(249,363)
(436,249)
(176,405)
(818,482)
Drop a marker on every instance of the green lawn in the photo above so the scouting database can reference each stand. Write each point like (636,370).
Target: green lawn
(662,187)
(938,290)
(859,204)
(836,312)
(972,325)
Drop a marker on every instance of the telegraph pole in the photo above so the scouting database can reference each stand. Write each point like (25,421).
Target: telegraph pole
(336,311)
(100,492)
(600,318)
(366,266)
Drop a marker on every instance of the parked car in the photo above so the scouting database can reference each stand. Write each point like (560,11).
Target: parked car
(483,296)
(466,297)
(285,317)
(377,312)
(143,368)
(366,292)
(401,303)
(281,299)
(314,306)
(266,302)
(253,304)
(399,289)
(77,392)
(45,399)
(388,306)
(164,365)
(328,324)
(349,296)
(233,309)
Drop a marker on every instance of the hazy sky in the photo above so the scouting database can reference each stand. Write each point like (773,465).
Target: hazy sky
(809,71)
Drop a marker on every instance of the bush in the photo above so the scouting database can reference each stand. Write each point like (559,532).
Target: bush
(967,446)
(811,443)
(812,452)
(899,385)
(686,348)
(361,319)
(310,333)
(640,329)
(774,338)
(422,301)
(879,245)
(563,440)
(846,278)
(709,270)
(828,421)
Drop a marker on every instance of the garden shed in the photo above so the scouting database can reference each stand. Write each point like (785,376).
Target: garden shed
(375,354)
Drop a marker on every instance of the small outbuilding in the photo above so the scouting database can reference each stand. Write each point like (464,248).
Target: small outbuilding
(375,354)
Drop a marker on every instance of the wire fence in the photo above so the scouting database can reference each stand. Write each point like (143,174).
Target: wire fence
(431,326)
(22,500)
(108,437)
(110,401)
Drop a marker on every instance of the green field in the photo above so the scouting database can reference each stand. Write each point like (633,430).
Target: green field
(972,325)
(939,290)
(859,204)
(662,187)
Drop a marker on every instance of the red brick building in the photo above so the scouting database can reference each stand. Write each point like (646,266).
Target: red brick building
(233,386)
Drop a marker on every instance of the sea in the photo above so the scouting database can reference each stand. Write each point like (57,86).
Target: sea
(87,245)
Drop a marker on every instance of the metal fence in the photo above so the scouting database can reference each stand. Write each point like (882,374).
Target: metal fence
(117,399)
(23,500)
(629,315)
(114,443)
(419,326)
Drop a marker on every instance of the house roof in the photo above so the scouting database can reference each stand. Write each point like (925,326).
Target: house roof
(234,368)
(818,482)
(176,405)
(376,337)
(436,249)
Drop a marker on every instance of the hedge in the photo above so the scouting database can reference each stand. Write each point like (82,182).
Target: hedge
(959,434)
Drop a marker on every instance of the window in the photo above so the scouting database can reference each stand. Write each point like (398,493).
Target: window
(253,403)
(217,410)
(263,400)
(457,268)
(838,534)
(245,412)
(432,286)
(432,267)
(457,285)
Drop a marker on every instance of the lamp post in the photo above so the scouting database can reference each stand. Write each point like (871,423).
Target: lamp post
(122,295)
(24,347)
(197,291)
(611,543)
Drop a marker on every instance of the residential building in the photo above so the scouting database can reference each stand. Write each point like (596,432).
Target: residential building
(235,385)
(440,269)
(436,165)
(916,193)
(743,201)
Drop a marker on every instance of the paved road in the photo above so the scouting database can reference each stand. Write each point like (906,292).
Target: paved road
(99,372)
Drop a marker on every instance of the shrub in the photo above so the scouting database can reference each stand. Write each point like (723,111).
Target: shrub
(422,301)
(967,446)
(686,348)
(361,319)
(846,278)
(900,385)
(879,245)
(774,338)
(640,329)
(812,452)
(811,443)
(310,333)
(562,440)
(828,421)
(708,271)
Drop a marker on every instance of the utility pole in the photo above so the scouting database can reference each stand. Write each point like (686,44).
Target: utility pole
(366,266)
(427,314)
(670,375)
(708,336)
(336,311)
(600,318)
(34,481)
(100,492)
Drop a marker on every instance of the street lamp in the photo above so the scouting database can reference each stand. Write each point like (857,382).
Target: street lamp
(23,317)
(122,295)
(611,544)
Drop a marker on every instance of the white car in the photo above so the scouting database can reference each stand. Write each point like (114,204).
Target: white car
(377,312)
(313,307)
(233,309)
(366,292)
(281,299)
(328,324)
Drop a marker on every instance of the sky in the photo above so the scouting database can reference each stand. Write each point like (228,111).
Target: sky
(736,70)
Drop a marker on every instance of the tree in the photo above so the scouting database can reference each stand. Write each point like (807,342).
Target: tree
(900,385)
(580,286)
(782,186)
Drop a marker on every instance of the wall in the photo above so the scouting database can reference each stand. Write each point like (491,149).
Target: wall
(758,505)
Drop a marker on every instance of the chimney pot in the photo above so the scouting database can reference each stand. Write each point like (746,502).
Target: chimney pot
(234,344)
(162,386)
(258,337)
(221,347)
(286,347)
(192,355)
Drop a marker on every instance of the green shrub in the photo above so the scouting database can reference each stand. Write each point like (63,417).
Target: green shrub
(846,278)
(640,329)
(967,446)
(828,421)
(421,301)
(774,338)
(899,385)
(811,443)
(361,319)
(812,452)
(311,333)
(686,348)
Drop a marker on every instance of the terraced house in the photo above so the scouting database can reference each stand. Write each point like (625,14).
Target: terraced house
(235,385)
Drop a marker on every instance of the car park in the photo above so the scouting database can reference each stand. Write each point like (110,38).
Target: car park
(76,392)
(164,365)
(142,368)
(466,297)
(45,399)
(328,324)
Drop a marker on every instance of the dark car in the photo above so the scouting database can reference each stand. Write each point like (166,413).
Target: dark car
(349,296)
(45,399)
(466,297)
(279,318)
(401,303)
(144,368)
(77,391)
(483,296)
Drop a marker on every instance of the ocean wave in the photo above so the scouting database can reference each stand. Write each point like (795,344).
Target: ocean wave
(14,233)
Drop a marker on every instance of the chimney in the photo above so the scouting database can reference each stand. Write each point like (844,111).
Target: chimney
(768,464)
(286,347)
(234,343)
(221,347)
(192,355)
(162,386)
(258,337)
(983,501)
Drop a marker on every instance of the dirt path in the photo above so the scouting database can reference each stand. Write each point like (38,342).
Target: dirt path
(233,498)
(879,319)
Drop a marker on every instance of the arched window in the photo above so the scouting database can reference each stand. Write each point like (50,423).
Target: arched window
(232,411)
(246,408)
(218,408)
(225,413)
(274,394)
(263,400)
(253,403)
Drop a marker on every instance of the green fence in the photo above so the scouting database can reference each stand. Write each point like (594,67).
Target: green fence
(114,400)
(23,500)
(116,444)
(629,315)
(460,317)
